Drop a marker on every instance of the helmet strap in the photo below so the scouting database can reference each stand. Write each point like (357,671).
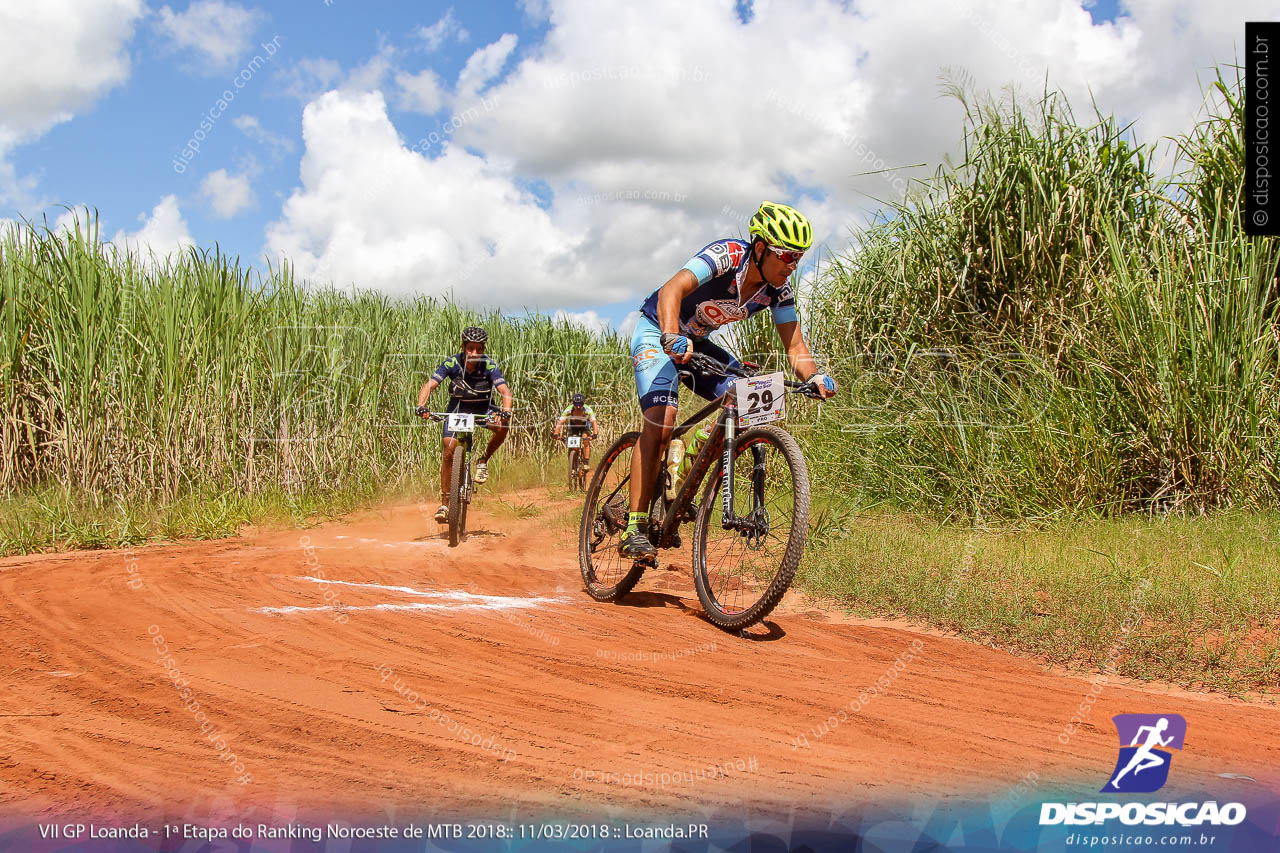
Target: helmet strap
(756,260)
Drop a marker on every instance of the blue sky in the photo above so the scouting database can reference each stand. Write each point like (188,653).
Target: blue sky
(616,140)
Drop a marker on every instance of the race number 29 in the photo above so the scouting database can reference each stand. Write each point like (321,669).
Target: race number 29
(760,399)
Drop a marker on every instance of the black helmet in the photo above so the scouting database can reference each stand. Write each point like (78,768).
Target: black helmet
(474,334)
(579,399)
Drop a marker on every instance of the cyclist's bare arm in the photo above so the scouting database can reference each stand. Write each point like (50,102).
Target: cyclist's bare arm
(555,430)
(797,350)
(505,392)
(670,296)
(798,353)
(431,385)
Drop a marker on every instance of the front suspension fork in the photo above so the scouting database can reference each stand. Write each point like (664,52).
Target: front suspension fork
(728,520)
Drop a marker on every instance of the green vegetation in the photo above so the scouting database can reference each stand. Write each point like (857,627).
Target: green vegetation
(1060,377)
(130,385)
(1193,601)
(1074,365)
(1050,329)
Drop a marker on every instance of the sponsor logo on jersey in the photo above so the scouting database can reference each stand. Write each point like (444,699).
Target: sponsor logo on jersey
(716,312)
(725,256)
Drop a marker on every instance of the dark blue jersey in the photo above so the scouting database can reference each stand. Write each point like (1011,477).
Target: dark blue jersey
(469,385)
(721,268)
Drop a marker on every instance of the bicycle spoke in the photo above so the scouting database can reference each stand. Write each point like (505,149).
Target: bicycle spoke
(738,567)
(605,571)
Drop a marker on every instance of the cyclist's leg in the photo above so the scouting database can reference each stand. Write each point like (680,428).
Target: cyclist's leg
(446,467)
(448,444)
(499,432)
(659,421)
(656,386)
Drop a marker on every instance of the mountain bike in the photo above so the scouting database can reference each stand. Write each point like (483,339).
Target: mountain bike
(461,487)
(751,521)
(577,464)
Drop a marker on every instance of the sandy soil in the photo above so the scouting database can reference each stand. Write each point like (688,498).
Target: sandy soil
(482,678)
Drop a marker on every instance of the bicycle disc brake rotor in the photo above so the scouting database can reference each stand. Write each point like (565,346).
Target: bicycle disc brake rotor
(755,529)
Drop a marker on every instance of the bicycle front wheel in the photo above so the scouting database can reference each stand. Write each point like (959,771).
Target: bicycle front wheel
(607,574)
(457,497)
(742,573)
(573,468)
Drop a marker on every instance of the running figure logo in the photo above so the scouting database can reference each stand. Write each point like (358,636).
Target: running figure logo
(1145,740)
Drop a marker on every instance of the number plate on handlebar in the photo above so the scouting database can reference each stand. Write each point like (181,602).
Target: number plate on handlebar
(573,441)
(760,399)
(460,422)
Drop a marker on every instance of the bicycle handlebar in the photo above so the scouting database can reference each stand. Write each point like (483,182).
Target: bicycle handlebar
(705,362)
(481,420)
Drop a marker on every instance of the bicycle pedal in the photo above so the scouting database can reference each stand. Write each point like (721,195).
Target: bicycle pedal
(647,562)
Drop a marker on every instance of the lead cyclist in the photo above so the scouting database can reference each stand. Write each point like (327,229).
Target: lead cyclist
(727,281)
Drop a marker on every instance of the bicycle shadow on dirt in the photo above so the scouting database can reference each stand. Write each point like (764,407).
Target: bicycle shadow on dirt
(766,631)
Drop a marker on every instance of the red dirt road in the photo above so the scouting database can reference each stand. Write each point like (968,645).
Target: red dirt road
(468,679)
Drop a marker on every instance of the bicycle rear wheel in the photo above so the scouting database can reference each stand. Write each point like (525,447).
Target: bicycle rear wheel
(742,574)
(607,574)
(457,500)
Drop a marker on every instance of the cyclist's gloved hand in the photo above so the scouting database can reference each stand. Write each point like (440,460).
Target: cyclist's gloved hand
(676,346)
(421,411)
(825,384)
(504,416)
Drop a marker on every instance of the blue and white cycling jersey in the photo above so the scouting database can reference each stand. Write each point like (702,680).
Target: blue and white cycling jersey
(721,268)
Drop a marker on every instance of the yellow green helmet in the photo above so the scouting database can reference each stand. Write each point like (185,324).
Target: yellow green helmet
(782,226)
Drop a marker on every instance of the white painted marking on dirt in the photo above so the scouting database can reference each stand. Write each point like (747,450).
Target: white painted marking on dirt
(452,599)
(60,674)
(392,607)
(449,595)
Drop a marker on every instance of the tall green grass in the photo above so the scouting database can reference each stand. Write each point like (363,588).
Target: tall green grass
(1049,327)
(131,380)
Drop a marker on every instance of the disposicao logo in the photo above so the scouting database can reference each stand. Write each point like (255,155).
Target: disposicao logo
(1146,741)
(1143,765)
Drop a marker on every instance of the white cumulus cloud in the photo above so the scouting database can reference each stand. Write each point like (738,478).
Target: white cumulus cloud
(485,64)
(56,58)
(589,320)
(374,213)
(420,92)
(631,136)
(251,127)
(163,232)
(218,33)
(441,31)
(226,194)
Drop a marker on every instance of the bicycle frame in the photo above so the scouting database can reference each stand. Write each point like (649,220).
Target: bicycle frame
(722,437)
(465,439)
(723,441)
